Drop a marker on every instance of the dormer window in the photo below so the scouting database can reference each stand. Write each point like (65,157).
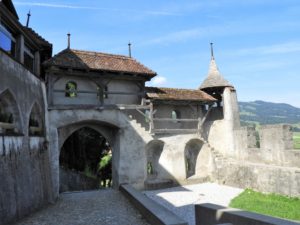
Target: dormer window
(7,41)
(71,89)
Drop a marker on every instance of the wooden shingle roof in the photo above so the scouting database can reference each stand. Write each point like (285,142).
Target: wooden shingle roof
(175,94)
(214,78)
(78,59)
(36,37)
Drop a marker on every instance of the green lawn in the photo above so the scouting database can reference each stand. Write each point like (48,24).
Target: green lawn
(296,138)
(269,204)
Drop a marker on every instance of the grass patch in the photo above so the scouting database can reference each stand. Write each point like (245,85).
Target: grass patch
(268,204)
(296,139)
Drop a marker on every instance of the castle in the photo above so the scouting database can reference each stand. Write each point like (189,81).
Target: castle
(184,136)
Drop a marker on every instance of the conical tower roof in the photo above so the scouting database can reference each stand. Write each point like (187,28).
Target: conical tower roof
(214,78)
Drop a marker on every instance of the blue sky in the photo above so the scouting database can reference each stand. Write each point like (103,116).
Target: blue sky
(256,42)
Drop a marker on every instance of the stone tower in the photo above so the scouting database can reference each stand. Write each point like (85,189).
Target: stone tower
(227,106)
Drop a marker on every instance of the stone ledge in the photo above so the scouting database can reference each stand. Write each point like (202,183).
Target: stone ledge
(153,212)
(211,214)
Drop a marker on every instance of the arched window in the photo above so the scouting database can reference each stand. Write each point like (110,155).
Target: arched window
(175,115)
(191,153)
(71,89)
(35,121)
(154,150)
(9,113)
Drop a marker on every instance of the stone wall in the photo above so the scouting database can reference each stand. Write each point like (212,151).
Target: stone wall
(24,163)
(276,146)
(261,177)
(75,181)
(273,166)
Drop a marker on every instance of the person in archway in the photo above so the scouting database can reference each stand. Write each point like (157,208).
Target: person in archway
(104,170)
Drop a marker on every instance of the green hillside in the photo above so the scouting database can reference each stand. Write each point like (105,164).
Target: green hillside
(269,113)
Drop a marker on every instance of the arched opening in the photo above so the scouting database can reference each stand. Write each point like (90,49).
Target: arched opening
(175,115)
(153,152)
(191,153)
(85,161)
(71,89)
(35,125)
(9,114)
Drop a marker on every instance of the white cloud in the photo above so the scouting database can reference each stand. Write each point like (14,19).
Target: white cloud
(158,81)
(51,5)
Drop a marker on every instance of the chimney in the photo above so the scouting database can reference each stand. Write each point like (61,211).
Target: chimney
(28,18)
(69,40)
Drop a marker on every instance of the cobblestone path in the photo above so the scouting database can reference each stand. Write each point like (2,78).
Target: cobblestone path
(107,207)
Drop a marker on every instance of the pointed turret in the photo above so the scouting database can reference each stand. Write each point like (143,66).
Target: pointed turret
(214,78)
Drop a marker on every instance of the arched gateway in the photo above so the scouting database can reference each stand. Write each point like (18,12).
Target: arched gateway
(85,161)
(128,161)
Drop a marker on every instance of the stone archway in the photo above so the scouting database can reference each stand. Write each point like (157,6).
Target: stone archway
(153,152)
(77,168)
(126,141)
(85,161)
(191,152)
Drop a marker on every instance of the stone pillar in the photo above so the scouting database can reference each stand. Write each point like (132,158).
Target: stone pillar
(20,49)
(37,66)
(231,119)
(231,107)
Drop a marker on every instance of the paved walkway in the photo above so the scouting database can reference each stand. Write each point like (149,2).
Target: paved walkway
(181,200)
(107,207)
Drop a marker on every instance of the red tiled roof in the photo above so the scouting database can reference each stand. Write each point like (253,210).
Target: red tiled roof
(178,94)
(78,59)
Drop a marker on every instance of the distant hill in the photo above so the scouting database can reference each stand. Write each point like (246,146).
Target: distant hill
(268,113)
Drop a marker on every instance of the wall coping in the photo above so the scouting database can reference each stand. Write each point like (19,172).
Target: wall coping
(211,214)
(153,212)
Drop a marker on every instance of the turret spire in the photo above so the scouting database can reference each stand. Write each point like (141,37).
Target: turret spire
(214,77)
(28,18)
(129,49)
(69,40)
(212,50)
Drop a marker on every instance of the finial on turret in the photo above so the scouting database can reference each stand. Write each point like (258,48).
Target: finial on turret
(129,49)
(69,40)
(28,18)
(212,50)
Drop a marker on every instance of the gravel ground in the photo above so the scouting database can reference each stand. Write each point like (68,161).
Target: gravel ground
(107,207)
(181,200)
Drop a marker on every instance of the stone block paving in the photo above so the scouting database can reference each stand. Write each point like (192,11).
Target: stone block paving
(85,208)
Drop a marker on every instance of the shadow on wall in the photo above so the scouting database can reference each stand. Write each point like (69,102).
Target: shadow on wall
(188,159)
